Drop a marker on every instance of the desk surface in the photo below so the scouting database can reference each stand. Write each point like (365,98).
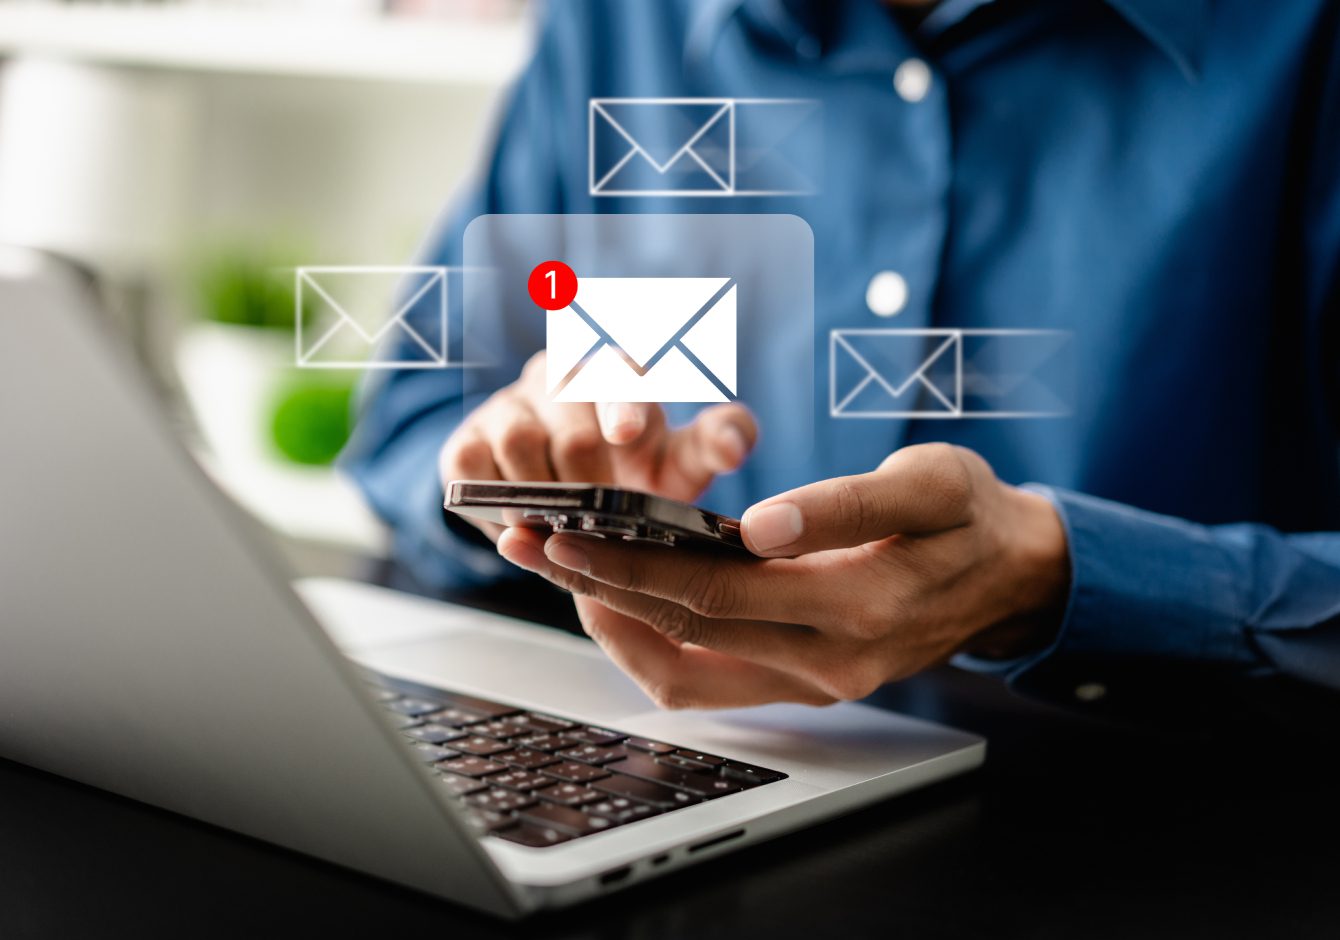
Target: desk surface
(1071,829)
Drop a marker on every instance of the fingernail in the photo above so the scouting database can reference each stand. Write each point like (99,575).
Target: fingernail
(734,445)
(566,555)
(774,526)
(621,421)
(520,553)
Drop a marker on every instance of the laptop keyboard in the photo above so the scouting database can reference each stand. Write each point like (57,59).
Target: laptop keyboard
(539,780)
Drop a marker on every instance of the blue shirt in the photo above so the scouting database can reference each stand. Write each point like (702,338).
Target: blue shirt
(1161,177)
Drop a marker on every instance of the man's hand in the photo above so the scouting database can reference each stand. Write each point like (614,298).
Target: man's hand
(519,434)
(863,580)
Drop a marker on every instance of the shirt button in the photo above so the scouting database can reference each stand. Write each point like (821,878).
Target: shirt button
(912,80)
(1090,691)
(886,293)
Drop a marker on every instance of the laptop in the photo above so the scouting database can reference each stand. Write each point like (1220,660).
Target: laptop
(154,646)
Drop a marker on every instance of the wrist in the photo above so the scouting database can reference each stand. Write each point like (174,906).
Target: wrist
(1042,553)
(1036,568)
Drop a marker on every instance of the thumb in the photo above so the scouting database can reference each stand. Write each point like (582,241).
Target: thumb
(916,490)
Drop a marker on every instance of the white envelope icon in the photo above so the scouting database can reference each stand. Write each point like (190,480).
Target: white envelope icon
(332,333)
(658,339)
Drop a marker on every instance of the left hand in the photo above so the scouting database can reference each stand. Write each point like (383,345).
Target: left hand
(864,580)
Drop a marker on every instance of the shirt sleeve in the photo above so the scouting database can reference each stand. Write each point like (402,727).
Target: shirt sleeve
(1173,620)
(1170,622)
(405,415)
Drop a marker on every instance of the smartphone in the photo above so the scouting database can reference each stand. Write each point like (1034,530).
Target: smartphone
(595,509)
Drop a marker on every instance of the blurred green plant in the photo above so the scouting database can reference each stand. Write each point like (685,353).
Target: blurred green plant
(309,415)
(313,417)
(238,287)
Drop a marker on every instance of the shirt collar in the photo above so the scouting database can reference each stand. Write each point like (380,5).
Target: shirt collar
(1176,27)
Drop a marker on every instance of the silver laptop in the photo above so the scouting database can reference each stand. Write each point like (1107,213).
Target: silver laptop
(152,645)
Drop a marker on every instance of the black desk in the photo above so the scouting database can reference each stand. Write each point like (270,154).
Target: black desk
(1073,829)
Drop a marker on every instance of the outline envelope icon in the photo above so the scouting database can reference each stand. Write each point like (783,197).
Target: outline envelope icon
(644,339)
(425,283)
(917,390)
(681,146)
(923,373)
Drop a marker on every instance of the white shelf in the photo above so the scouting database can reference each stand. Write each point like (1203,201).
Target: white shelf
(464,52)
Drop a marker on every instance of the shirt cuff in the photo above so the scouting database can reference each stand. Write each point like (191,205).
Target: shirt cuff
(1144,588)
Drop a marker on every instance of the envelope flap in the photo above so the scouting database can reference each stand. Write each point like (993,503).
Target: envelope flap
(897,358)
(370,300)
(641,315)
(661,129)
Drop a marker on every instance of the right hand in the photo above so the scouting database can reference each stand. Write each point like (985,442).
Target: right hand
(519,434)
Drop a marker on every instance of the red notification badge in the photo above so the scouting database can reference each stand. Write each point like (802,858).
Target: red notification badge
(552,285)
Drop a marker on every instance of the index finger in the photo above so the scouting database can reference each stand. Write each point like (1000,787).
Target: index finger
(625,422)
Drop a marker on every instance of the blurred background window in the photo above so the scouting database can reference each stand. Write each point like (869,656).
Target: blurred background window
(193,153)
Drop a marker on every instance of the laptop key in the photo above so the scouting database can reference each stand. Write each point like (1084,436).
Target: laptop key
(480,746)
(544,724)
(462,786)
(405,722)
(535,836)
(646,744)
(545,742)
(414,707)
(573,772)
(646,791)
(711,760)
(702,784)
(501,728)
(593,735)
(499,800)
(569,794)
(456,717)
(487,820)
(434,734)
(620,809)
(684,763)
(521,780)
(473,767)
(591,754)
(527,759)
(573,821)
(431,753)
(748,773)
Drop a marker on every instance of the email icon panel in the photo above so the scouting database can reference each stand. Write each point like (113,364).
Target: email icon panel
(684,308)
(644,339)
(371,317)
(702,146)
(949,373)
